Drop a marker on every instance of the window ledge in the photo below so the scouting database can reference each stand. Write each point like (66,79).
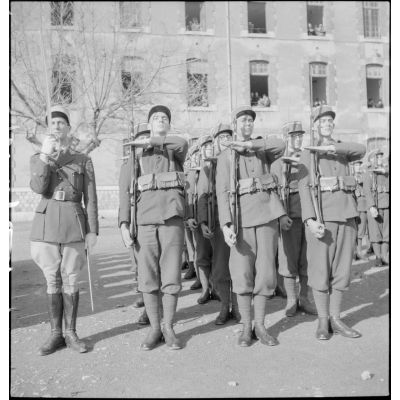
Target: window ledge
(382,39)
(328,36)
(145,29)
(375,110)
(266,109)
(201,109)
(63,27)
(258,35)
(208,32)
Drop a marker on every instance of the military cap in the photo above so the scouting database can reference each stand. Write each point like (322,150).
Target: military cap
(243,110)
(160,108)
(323,110)
(220,128)
(140,129)
(204,139)
(59,111)
(292,128)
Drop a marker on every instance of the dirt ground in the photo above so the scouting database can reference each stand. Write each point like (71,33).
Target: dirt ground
(211,364)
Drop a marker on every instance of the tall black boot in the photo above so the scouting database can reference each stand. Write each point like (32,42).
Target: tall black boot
(71,302)
(56,339)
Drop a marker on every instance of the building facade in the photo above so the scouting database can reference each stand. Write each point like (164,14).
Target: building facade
(285,57)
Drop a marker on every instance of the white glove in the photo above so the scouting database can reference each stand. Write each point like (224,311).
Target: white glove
(126,236)
(374,212)
(229,235)
(316,228)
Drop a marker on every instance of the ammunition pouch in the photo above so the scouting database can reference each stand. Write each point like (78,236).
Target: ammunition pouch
(334,183)
(163,180)
(263,183)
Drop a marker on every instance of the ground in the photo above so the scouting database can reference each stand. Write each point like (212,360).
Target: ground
(211,364)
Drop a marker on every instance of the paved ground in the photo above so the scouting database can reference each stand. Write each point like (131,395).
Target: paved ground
(211,364)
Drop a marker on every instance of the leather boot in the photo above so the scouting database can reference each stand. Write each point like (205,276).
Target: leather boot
(56,339)
(246,336)
(143,319)
(196,285)
(171,340)
(190,273)
(263,336)
(306,306)
(224,315)
(139,303)
(71,302)
(339,327)
(322,332)
(154,337)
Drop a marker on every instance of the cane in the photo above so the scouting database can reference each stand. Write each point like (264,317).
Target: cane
(90,279)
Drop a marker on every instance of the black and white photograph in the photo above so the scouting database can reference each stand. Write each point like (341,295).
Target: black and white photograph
(199,199)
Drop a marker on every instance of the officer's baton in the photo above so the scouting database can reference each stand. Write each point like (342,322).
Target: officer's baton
(90,279)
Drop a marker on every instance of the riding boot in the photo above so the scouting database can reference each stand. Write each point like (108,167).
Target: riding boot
(56,339)
(154,336)
(71,303)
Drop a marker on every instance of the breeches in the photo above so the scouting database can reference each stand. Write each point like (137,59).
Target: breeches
(159,256)
(330,258)
(220,261)
(378,228)
(252,260)
(61,264)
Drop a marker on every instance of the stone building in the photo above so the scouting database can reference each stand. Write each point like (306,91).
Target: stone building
(285,57)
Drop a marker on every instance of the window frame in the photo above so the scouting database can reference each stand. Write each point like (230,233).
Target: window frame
(61,18)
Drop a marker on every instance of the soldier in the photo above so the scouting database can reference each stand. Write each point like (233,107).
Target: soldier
(376,187)
(209,223)
(292,247)
(62,229)
(361,208)
(124,212)
(160,233)
(249,220)
(331,227)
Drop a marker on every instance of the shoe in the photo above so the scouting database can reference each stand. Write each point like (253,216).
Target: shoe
(56,340)
(280,292)
(307,307)
(190,273)
(171,340)
(245,338)
(184,265)
(154,337)
(263,336)
(71,302)
(378,262)
(214,295)
(196,285)
(143,319)
(322,332)
(290,310)
(339,327)
(204,298)
(138,303)
(223,317)
(360,256)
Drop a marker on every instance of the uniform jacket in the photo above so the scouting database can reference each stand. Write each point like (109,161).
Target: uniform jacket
(339,205)
(192,182)
(64,221)
(203,190)
(165,154)
(382,182)
(294,198)
(360,193)
(254,208)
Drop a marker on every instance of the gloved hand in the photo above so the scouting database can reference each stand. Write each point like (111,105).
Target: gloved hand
(229,235)
(374,212)
(192,224)
(285,222)
(316,228)
(90,241)
(206,232)
(126,236)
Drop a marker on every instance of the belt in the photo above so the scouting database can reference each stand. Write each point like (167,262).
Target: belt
(335,183)
(61,195)
(254,185)
(162,180)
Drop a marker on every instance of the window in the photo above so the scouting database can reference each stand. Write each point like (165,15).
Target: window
(131,75)
(318,74)
(195,13)
(256,17)
(259,84)
(371,19)
(374,86)
(62,13)
(129,14)
(315,18)
(63,75)
(197,78)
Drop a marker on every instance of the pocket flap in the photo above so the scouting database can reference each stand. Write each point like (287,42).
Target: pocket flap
(145,179)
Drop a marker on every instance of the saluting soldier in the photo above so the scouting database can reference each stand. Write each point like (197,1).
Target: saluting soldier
(62,228)
(361,208)
(209,223)
(292,246)
(160,214)
(376,187)
(251,230)
(124,212)
(330,236)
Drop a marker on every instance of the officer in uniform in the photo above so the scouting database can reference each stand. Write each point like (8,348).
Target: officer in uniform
(331,238)
(292,247)
(253,235)
(62,229)
(209,223)
(124,212)
(376,187)
(160,214)
(361,208)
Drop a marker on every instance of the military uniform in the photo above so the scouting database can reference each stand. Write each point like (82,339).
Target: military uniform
(252,258)
(59,229)
(330,257)
(377,189)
